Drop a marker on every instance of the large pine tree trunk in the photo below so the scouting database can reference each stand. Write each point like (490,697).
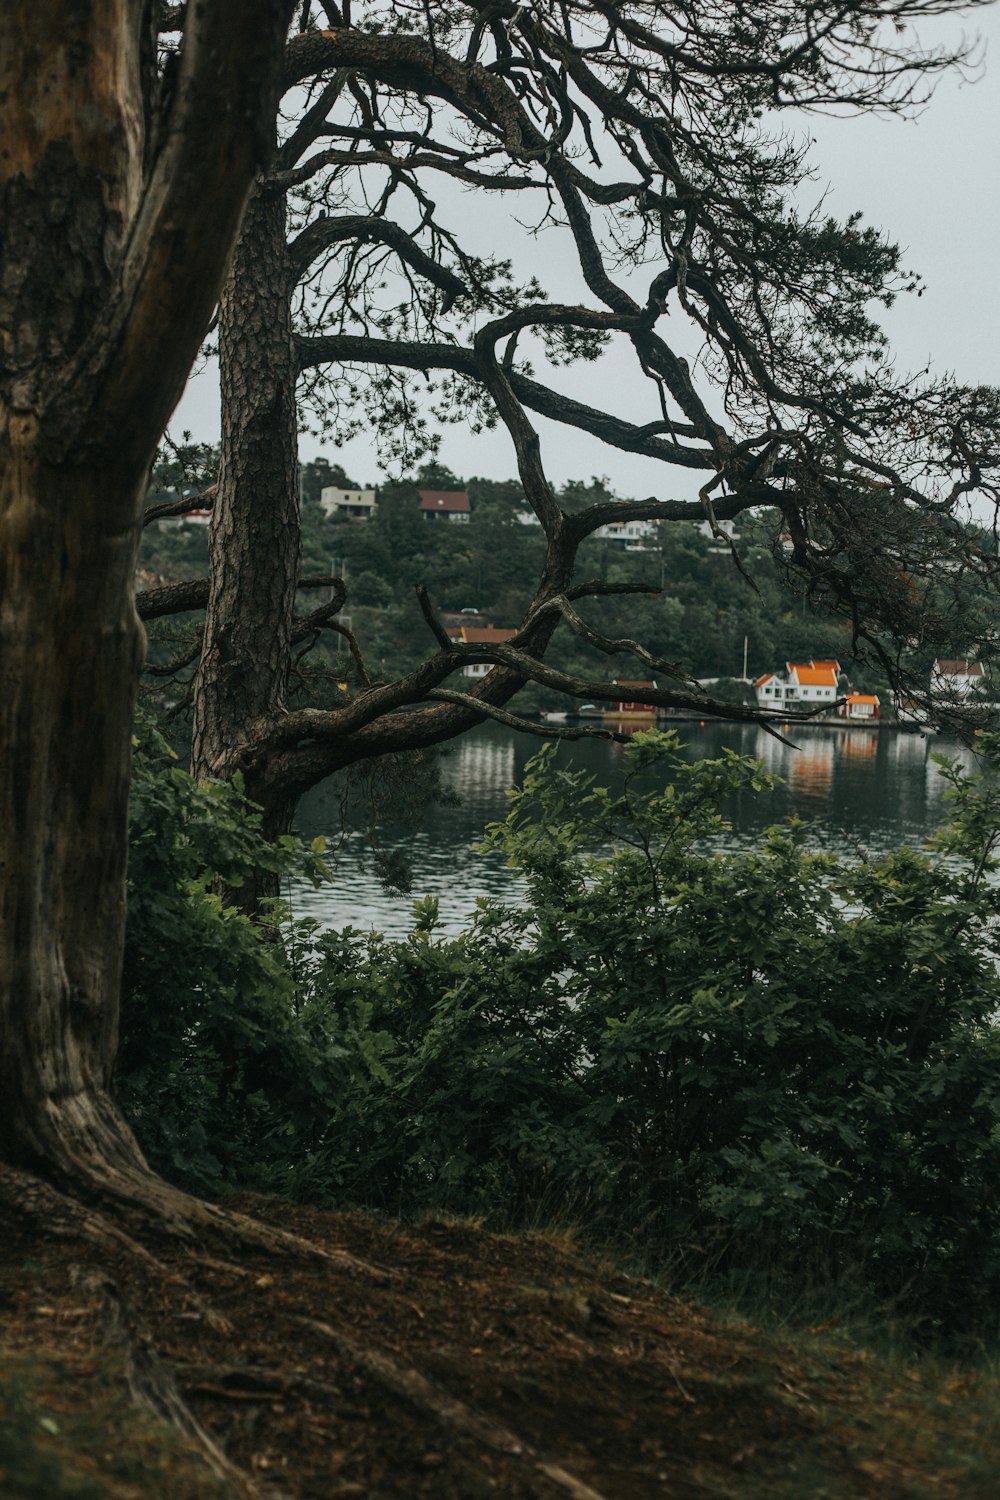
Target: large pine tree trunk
(70,646)
(70,642)
(242,679)
(109,267)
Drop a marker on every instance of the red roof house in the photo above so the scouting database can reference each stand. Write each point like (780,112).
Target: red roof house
(444,505)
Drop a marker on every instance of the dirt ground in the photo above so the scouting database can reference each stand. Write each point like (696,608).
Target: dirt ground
(438,1360)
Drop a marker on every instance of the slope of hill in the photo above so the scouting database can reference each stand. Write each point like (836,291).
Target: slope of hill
(392,1361)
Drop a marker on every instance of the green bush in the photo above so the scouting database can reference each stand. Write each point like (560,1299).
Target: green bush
(717,1057)
(217,1070)
(719,1060)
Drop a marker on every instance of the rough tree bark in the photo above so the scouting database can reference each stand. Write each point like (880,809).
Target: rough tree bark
(254,543)
(109,267)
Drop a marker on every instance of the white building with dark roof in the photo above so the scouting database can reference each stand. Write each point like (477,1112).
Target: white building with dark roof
(444,505)
(956,677)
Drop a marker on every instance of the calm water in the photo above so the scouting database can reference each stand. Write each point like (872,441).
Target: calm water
(860,787)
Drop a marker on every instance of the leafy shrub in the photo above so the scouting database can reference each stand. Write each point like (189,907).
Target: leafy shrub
(216,1071)
(718,1059)
(771,1052)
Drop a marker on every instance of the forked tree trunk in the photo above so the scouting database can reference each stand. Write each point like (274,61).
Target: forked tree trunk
(109,266)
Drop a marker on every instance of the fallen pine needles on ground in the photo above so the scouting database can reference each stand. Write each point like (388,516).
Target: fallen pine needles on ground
(476,1365)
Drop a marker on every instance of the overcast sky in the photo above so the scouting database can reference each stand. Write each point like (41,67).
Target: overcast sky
(932,184)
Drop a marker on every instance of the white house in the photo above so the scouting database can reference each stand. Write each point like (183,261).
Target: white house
(956,678)
(634,534)
(809,684)
(773,690)
(337,502)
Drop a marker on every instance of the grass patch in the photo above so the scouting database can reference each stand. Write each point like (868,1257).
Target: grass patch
(69,1432)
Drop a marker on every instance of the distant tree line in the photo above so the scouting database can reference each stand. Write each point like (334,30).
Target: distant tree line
(709,598)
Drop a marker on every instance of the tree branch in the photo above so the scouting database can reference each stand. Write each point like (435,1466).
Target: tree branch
(611,647)
(172,599)
(360,349)
(178,598)
(325,232)
(181,507)
(482,709)
(176,252)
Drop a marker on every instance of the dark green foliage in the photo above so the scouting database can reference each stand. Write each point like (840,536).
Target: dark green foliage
(770,1051)
(214,1077)
(771,1057)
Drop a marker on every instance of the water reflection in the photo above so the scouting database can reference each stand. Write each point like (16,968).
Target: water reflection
(485,768)
(858,744)
(812,773)
(856,786)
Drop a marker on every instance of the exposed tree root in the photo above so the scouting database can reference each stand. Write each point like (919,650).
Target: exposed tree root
(448,1410)
(152,1384)
(253,1382)
(152,1387)
(36,1200)
(487,1364)
(155,1204)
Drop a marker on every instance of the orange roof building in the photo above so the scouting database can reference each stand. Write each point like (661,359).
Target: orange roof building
(813,674)
(860,706)
(803,684)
